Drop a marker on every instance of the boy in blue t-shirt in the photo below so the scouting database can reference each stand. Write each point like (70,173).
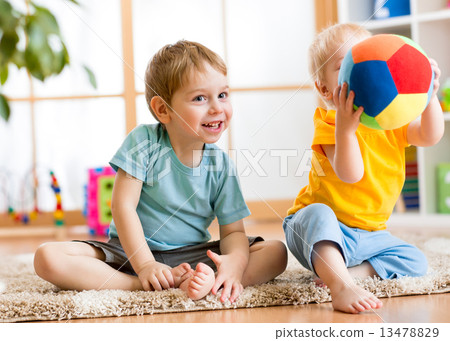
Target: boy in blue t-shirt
(171,182)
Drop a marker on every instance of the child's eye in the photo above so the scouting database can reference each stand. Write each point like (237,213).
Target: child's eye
(199,98)
(223,95)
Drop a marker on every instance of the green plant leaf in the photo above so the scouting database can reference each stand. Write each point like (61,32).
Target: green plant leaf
(45,54)
(38,55)
(47,61)
(8,45)
(8,17)
(5,110)
(45,19)
(37,37)
(61,59)
(4,74)
(91,76)
(18,59)
(32,63)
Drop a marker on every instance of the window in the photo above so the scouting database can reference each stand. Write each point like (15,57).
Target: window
(66,126)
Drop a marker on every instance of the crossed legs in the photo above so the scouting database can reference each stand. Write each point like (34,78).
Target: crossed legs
(267,260)
(80,266)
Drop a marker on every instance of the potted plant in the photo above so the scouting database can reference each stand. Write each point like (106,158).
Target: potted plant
(33,41)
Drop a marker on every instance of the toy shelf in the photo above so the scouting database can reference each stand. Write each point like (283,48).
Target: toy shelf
(396,22)
(428,24)
(405,20)
(434,16)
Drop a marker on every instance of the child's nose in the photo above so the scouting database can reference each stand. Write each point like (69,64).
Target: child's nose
(215,108)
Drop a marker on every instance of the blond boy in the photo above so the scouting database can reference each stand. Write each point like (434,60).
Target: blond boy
(336,227)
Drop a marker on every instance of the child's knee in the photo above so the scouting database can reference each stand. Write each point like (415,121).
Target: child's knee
(278,250)
(317,216)
(419,266)
(46,259)
(415,262)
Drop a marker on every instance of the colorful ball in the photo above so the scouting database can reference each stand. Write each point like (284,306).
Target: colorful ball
(391,77)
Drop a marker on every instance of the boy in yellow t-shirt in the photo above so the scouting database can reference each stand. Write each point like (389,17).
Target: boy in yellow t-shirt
(336,227)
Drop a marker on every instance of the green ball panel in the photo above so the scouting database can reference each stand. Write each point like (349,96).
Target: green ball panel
(413,44)
(369,121)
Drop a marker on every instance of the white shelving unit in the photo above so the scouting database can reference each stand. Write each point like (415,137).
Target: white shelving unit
(428,25)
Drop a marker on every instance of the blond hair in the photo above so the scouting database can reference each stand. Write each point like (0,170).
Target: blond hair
(170,67)
(327,42)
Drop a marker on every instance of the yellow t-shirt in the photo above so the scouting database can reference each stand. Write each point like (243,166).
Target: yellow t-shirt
(368,203)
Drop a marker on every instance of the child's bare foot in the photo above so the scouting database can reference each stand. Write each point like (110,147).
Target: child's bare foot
(201,283)
(318,282)
(354,299)
(181,273)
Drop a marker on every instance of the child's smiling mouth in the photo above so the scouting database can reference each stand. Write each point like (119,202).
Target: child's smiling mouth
(216,125)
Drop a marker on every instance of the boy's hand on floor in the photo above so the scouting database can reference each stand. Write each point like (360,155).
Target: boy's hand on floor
(229,275)
(155,276)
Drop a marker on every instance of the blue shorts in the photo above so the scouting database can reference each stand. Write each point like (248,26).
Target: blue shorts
(390,256)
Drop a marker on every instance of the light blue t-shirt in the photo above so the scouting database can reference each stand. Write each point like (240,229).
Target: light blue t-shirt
(178,203)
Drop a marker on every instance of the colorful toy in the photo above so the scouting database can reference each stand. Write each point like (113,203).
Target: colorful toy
(58,215)
(98,199)
(445,96)
(25,217)
(391,77)
(410,191)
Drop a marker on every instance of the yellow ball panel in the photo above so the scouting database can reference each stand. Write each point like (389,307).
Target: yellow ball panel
(402,110)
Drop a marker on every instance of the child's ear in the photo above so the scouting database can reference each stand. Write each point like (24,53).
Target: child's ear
(159,107)
(323,90)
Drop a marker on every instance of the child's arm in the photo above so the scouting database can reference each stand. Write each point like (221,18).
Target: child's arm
(125,198)
(430,128)
(233,261)
(345,156)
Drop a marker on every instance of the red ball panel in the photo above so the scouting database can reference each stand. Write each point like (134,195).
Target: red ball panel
(411,70)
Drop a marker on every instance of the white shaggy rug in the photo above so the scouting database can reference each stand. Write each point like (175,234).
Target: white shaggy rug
(26,297)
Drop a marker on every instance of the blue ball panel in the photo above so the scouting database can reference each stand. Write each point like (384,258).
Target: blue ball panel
(373,85)
(346,68)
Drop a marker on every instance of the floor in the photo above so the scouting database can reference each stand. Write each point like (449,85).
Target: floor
(410,309)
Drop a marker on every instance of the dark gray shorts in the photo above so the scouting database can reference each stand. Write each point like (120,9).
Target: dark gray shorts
(116,257)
